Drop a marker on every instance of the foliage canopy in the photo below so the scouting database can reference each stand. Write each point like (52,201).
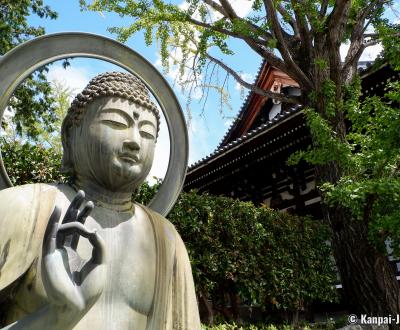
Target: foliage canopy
(299,37)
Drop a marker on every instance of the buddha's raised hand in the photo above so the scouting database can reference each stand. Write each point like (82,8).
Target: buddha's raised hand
(72,284)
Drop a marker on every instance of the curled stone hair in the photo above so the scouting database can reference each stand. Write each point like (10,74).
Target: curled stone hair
(117,84)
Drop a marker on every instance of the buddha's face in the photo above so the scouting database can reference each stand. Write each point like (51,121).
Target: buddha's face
(114,145)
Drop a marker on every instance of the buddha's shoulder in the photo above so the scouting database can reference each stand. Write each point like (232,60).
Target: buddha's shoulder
(25,195)
(24,214)
(26,202)
(159,220)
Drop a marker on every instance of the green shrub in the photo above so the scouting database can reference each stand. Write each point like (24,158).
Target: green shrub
(29,163)
(266,257)
(233,326)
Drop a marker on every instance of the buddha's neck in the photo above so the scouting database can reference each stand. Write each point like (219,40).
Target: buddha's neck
(102,197)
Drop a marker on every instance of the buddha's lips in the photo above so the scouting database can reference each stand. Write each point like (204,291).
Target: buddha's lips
(132,158)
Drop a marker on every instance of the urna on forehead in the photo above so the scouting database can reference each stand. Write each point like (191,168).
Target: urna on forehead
(114,84)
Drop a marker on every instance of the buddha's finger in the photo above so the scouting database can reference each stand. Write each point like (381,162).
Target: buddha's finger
(73,208)
(70,228)
(81,219)
(99,248)
(89,206)
(50,234)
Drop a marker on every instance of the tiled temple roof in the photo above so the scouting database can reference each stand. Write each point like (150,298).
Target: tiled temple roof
(224,146)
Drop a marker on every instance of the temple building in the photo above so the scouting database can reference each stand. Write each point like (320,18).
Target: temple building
(250,162)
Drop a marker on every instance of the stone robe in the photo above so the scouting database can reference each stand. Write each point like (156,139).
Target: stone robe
(24,214)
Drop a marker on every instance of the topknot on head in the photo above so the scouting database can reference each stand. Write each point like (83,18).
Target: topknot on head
(117,84)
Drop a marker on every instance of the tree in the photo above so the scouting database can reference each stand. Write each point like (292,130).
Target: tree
(50,136)
(38,160)
(302,38)
(31,101)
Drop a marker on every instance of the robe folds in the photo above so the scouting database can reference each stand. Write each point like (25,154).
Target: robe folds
(24,214)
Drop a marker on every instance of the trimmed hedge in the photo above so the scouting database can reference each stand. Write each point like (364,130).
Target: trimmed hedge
(266,257)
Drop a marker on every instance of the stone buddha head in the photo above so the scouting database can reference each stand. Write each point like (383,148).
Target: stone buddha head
(110,132)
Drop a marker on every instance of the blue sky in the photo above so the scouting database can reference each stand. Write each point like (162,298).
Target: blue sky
(206,127)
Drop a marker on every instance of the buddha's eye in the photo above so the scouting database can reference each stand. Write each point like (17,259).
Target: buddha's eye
(113,120)
(147,130)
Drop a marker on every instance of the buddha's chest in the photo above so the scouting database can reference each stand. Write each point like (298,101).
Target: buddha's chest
(130,261)
(131,270)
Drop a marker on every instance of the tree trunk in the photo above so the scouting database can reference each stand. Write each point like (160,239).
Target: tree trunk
(235,302)
(367,277)
(206,310)
(295,318)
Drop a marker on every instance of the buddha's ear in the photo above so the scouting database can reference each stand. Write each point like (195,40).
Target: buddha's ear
(67,166)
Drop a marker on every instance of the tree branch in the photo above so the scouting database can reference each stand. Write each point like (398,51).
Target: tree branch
(222,30)
(270,57)
(305,35)
(369,10)
(376,35)
(256,45)
(324,8)
(337,23)
(338,17)
(352,57)
(369,43)
(217,7)
(292,21)
(266,54)
(283,48)
(357,38)
(253,87)
(232,16)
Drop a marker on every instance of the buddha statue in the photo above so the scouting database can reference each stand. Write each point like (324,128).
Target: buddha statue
(83,255)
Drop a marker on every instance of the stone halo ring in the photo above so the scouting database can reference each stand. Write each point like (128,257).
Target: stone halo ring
(22,60)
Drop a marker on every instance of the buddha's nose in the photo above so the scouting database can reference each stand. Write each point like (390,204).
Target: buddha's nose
(133,139)
(131,145)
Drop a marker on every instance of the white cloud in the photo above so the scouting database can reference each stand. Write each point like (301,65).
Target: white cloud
(369,54)
(174,75)
(248,77)
(198,139)
(228,123)
(242,7)
(8,114)
(74,77)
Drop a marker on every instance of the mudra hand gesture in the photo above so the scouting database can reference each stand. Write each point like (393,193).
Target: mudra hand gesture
(72,284)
